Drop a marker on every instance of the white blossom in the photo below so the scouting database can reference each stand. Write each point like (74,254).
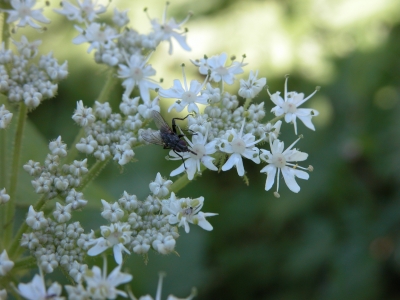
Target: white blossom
(5,263)
(166,30)
(251,87)
(88,10)
(36,289)
(185,210)
(136,73)
(289,107)
(24,13)
(186,97)
(114,236)
(159,187)
(237,145)
(4,197)
(279,161)
(101,286)
(203,151)
(216,65)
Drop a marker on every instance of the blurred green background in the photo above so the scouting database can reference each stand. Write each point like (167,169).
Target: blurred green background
(339,238)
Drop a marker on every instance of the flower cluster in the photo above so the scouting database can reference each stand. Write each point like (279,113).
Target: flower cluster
(23,80)
(226,129)
(150,224)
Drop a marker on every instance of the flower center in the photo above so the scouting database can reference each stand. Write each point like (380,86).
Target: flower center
(279,160)
(222,71)
(238,145)
(189,97)
(137,74)
(289,107)
(199,150)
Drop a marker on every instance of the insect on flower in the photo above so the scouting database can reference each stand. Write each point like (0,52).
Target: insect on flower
(166,136)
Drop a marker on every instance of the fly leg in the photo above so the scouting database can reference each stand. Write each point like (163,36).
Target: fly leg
(180,157)
(174,124)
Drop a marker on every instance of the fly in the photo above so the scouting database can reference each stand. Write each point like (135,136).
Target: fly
(167,137)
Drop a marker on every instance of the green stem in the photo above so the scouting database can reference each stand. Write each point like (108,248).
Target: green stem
(247,103)
(184,181)
(25,263)
(10,206)
(93,172)
(276,119)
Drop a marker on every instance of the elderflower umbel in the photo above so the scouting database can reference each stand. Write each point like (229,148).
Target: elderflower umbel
(24,13)
(5,263)
(187,97)
(289,107)
(278,161)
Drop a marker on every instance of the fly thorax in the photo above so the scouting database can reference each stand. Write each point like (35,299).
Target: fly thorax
(289,107)
(279,160)
(189,97)
(137,74)
(238,145)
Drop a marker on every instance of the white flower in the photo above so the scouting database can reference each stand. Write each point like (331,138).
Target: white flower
(147,107)
(22,11)
(87,10)
(160,186)
(4,197)
(83,116)
(123,153)
(165,31)
(5,117)
(278,161)
(202,149)
(101,287)
(238,145)
(27,49)
(289,107)
(216,64)
(116,236)
(5,263)
(251,87)
(112,213)
(185,210)
(62,214)
(36,289)
(271,132)
(98,35)
(187,97)
(136,73)
(120,18)
(36,220)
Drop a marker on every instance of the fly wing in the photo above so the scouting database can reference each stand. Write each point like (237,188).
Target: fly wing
(160,122)
(152,136)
